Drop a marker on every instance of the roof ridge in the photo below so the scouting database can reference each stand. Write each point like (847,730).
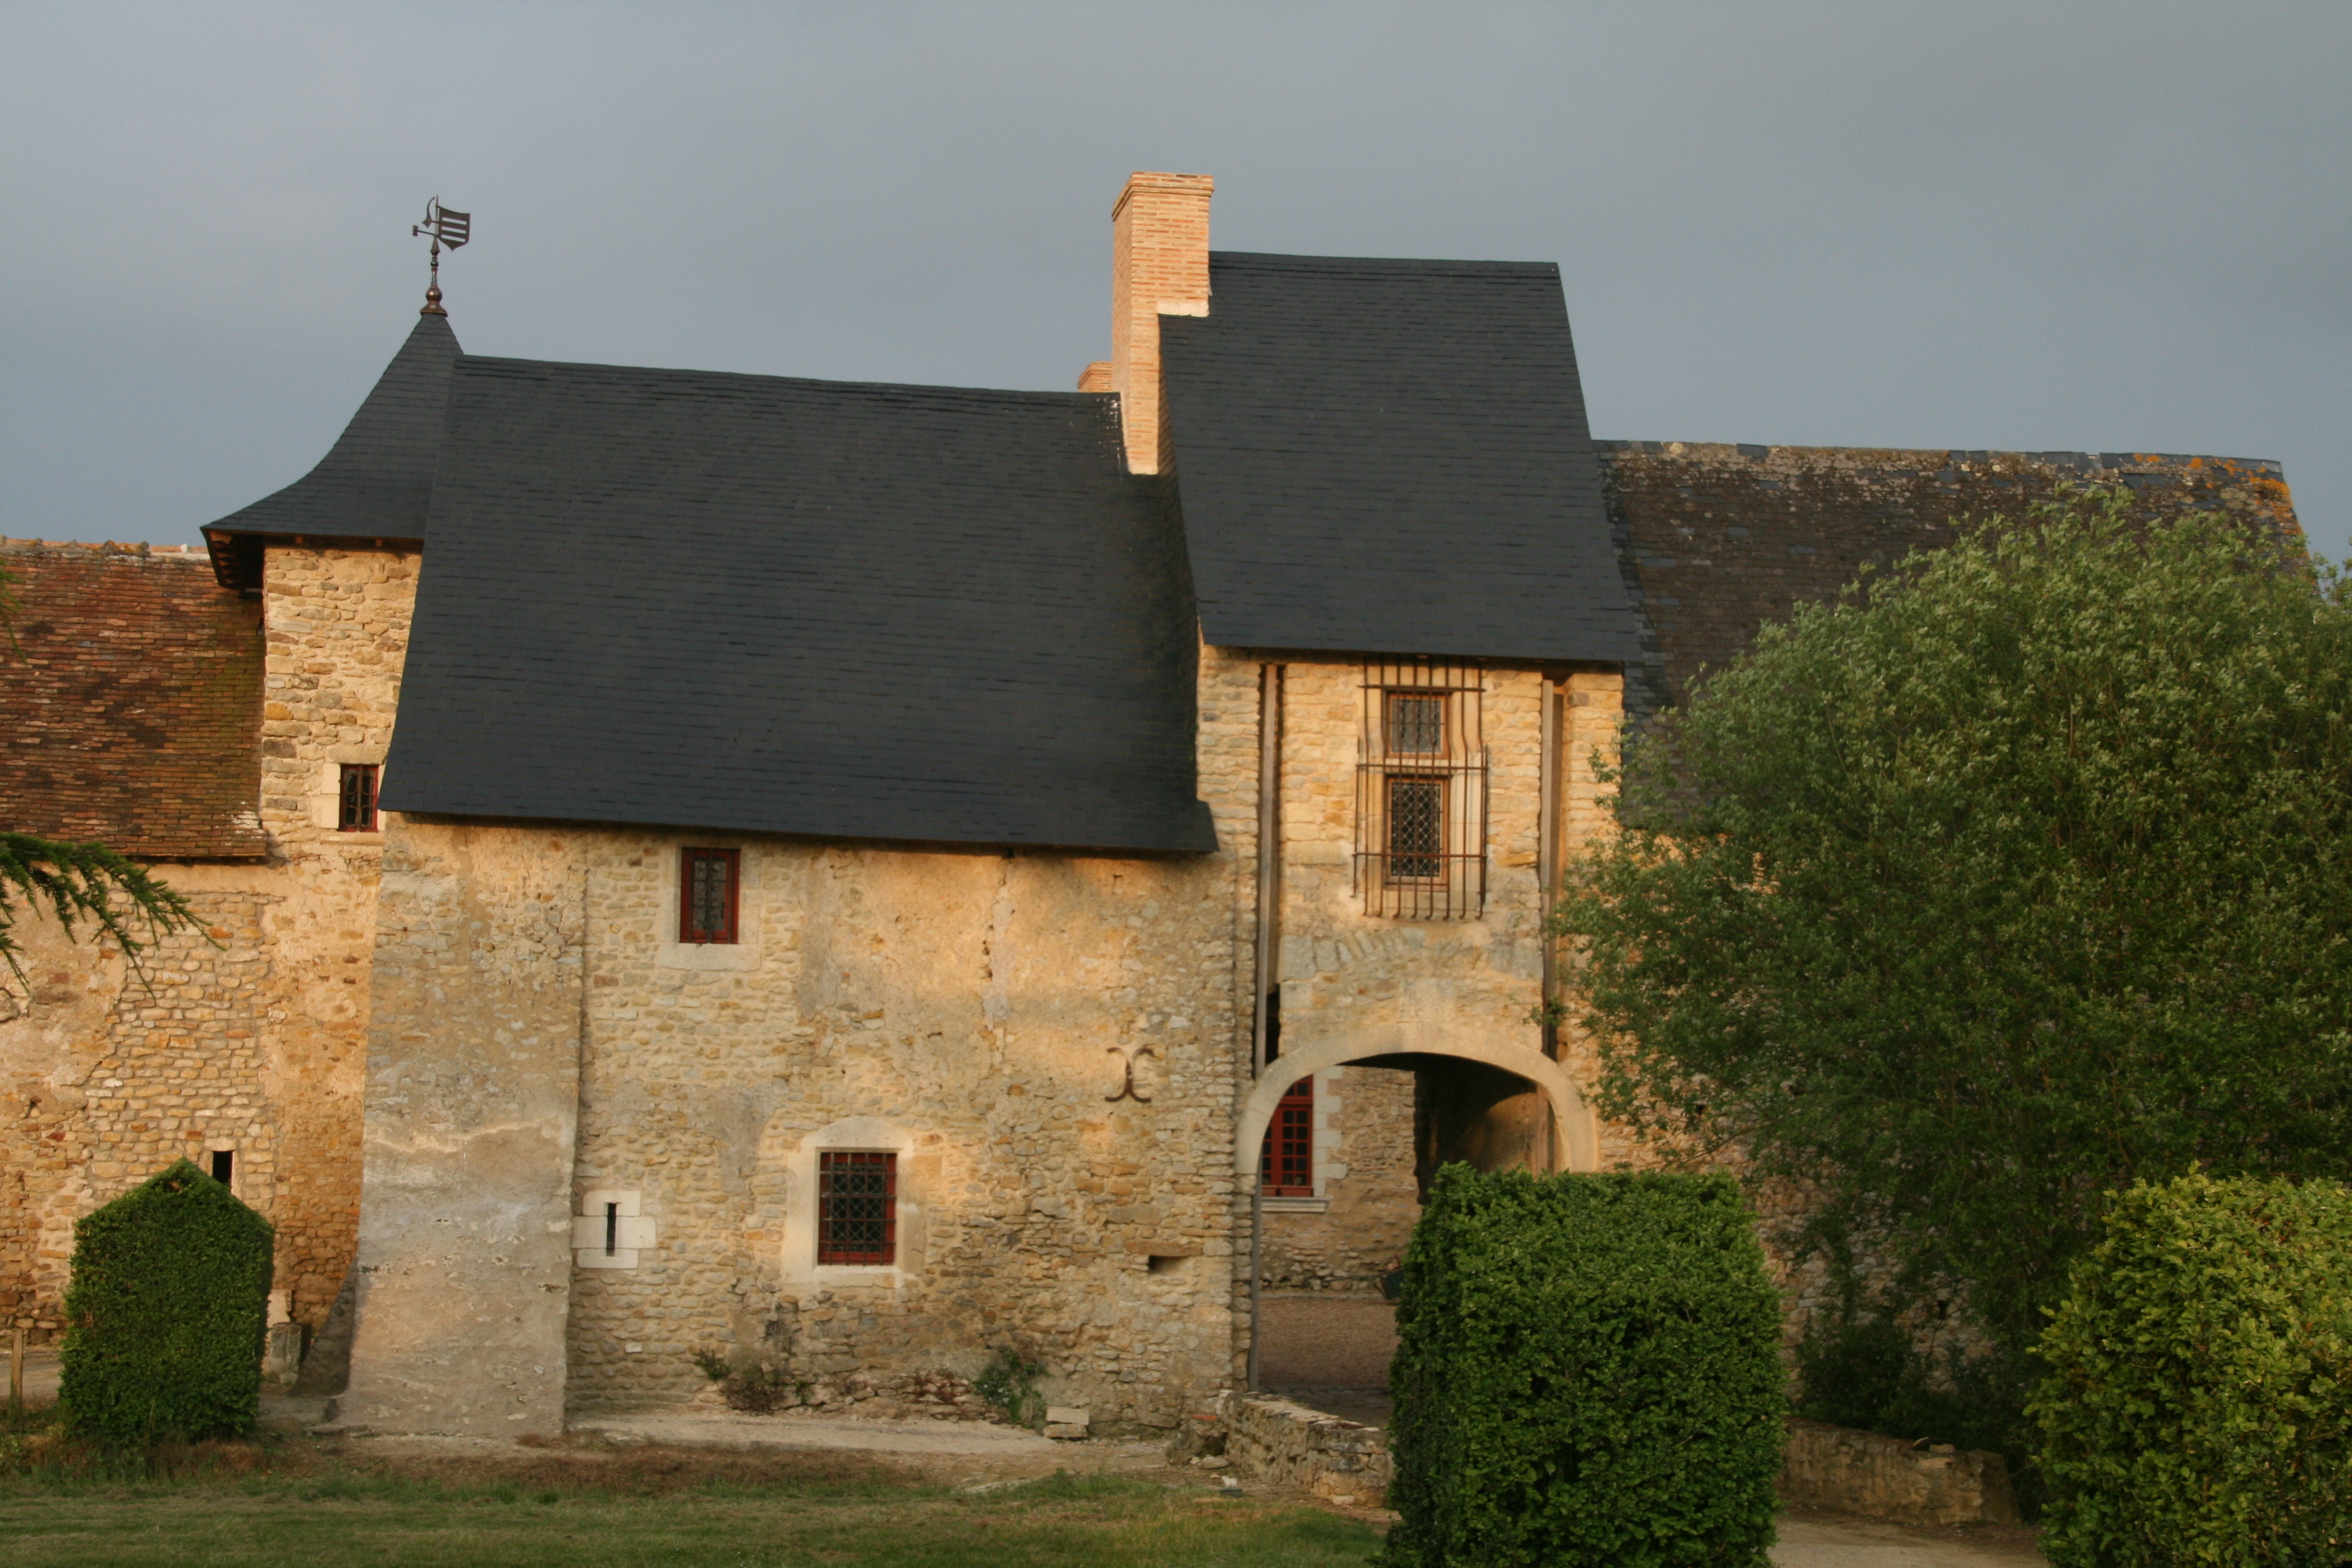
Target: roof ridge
(1040,394)
(1406,264)
(1757,452)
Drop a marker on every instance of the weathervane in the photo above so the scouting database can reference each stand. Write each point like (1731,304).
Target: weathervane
(447,228)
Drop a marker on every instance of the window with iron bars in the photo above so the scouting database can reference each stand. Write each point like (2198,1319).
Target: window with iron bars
(1420,792)
(856,1207)
(356,801)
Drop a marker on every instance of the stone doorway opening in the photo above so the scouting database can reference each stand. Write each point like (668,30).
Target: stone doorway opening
(1343,1166)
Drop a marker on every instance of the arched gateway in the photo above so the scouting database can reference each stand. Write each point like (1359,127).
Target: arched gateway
(1575,1135)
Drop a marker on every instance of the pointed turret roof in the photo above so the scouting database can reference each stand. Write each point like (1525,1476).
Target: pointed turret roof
(374,484)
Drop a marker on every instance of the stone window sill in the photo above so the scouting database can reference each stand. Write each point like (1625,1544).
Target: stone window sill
(1296,1205)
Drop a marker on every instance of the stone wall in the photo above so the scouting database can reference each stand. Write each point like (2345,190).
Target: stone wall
(244,1036)
(1356,1226)
(336,624)
(1887,1477)
(1049,1044)
(1276,1443)
(1371,984)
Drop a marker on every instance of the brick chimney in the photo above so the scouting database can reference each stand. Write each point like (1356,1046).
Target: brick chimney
(1160,266)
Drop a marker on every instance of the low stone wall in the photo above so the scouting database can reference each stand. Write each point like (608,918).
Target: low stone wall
(1887,1477)
(1276,1443)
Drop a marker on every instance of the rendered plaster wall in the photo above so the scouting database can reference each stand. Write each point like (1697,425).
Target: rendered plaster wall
(473,1068)
(246,1034)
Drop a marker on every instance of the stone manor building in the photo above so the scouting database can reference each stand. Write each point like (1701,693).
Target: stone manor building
(867,876)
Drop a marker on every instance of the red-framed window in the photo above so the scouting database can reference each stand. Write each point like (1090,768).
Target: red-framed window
(707,884)
(857,1207)
(1285,1166)
(355,810)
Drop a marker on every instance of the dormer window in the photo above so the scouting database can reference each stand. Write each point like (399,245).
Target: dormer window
(1420,792)
(707,885)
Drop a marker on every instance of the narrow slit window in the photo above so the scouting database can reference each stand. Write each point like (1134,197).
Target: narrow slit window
(707,895)
(1286,1165)
(355,810)
(856,1207)
(224,1167)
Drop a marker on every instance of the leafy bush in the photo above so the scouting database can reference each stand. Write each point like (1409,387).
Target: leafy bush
(166,1313)
(1586,1373)
(2199,1402)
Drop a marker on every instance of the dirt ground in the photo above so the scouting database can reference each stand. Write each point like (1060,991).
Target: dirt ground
(1312,1340)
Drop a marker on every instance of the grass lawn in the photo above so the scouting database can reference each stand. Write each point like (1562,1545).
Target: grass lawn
(306,1507)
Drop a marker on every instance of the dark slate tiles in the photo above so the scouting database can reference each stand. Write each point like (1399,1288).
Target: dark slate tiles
(1391,457)
(375,481)
(756,604)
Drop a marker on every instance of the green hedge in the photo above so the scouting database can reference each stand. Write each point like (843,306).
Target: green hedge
(166,1313)
(1587,1373)
(2198,1406)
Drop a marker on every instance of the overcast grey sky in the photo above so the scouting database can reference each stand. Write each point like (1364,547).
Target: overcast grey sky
(2048,225)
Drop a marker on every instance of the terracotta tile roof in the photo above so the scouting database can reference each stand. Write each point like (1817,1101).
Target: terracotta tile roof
(132,702)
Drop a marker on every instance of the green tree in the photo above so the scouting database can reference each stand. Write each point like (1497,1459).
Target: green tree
(78,883)
(2016,875)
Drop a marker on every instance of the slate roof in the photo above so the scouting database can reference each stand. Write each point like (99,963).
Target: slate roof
(1391,457)
(1724,538)
(130,706)
(763,605)
(374,483)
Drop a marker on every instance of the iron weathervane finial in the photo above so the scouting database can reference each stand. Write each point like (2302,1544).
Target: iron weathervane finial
(447,228)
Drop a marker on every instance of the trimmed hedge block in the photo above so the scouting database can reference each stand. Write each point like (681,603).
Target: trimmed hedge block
(1586,1371)
(166,1313)
(2199,1402)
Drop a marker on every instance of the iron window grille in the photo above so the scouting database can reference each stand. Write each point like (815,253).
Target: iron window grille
(708,885)
(355,807)
(1420,792)
(1286,1165)
(856,1207)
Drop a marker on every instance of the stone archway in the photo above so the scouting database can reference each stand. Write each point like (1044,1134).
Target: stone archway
(1576,1140)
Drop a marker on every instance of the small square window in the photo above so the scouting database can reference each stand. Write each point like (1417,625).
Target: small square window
(856,1207)
(355,810)
(1286,1165)
(1416,723)
(707,884)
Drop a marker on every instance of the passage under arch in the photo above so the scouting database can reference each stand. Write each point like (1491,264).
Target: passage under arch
(1576,1142)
